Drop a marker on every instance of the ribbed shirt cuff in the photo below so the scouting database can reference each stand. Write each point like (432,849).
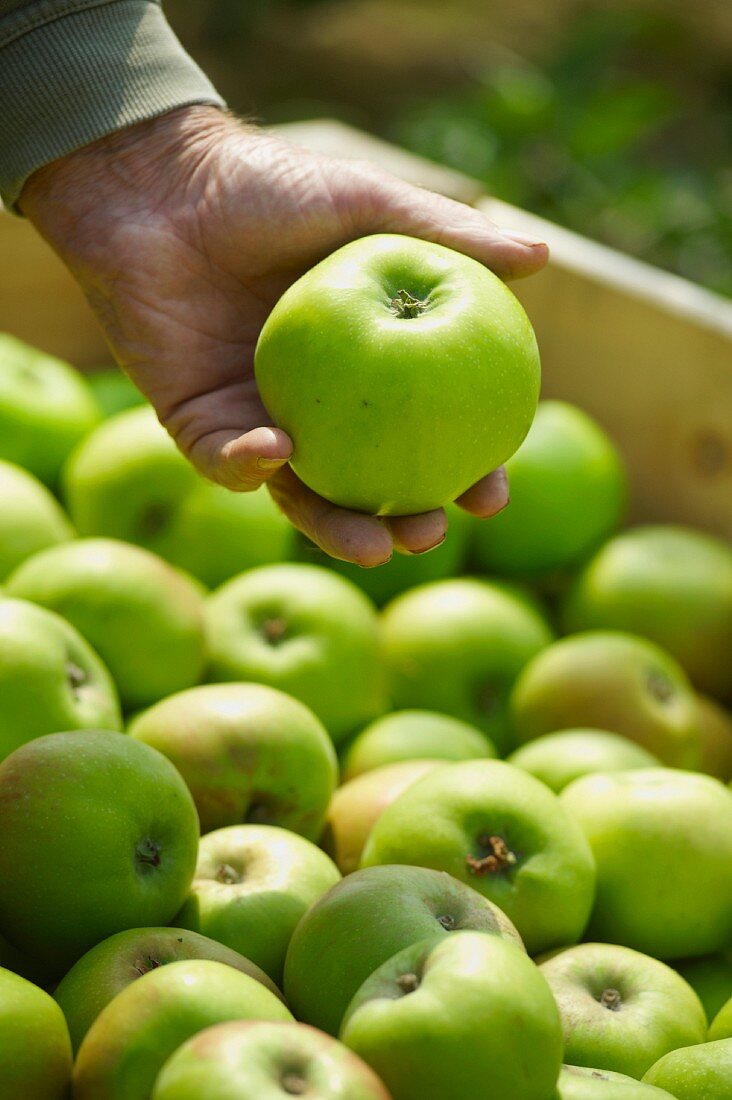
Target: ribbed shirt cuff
(76,71)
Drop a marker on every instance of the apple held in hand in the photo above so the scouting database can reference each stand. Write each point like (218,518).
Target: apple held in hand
(115,963)
(35,1051)
(132,1038)
(621,1010)
(99,834)
(465,1016)
(255,1060)
(402,370)
(363,921)
(252,885)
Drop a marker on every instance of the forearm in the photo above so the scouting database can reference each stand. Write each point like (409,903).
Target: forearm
(73,71)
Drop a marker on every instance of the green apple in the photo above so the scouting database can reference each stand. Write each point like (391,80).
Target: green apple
(305,630)
(132,1038)
(255,1060)
(662,842)
(465,1016)
(31,518)
(252,885)
(612,681)
(99,834)
(671,584)
(357,805)
(46,407)
(403,571)
(457,646)
(714,726)
(143,617)
(421,352)
(582,1083)
(35,1050)
(721,1025)
(129,481)
(114,391)
(558,758)
(50,678)
(568,490)
(695,1073)
(364,920)
(410,735)
(711,979)
(503,833)
(621,1010)
(248,753)
(110,966)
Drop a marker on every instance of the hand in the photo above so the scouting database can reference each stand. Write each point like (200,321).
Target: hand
(184,231)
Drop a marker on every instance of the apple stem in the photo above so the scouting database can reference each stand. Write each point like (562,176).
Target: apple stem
(76,676)
(499,856)
(227,874)
(404,305)
(274,630)
(294,1083)
(660,685)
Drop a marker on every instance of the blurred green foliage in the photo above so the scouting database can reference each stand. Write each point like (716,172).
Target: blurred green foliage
(614,136)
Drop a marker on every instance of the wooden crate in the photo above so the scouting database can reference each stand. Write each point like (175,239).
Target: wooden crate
(647,353)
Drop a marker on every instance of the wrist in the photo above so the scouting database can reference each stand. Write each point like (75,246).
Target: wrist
(153,165)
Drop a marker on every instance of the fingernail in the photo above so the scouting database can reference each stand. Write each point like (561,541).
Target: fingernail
(522,238)
(270,463)
(433,547)
(503,507)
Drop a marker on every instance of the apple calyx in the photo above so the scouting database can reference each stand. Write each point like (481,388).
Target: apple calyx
(659,685)
(76,676)
(147,854)
(274,630)
(227,874)
(499,856)
(146,965)
(408,983)
(294,1084)
(406,306)
(447,922)
(154,519)
(611,999)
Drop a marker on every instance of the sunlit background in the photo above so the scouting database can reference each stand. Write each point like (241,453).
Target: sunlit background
(613,118)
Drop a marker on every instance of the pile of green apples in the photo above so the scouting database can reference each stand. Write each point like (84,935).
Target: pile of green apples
(456,828)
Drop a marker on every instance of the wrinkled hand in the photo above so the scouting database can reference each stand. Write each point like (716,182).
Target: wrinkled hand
(184,231)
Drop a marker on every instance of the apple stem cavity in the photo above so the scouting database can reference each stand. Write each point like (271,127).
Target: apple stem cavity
(498,857)
(660,685)
(274,630)
(408,983)
(228,875)
(611,999)
(76,676)
(294,1084)
(406,306)
(147,854)
(146,965)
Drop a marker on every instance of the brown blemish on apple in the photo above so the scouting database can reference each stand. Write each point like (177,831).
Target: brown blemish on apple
(498,857)
(610,999)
